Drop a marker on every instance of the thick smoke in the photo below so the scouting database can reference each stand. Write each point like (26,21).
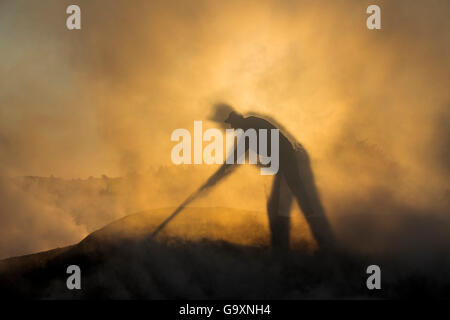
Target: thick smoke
(30,224)
(371,107)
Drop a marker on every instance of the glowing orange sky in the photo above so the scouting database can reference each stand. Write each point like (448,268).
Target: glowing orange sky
(369,106)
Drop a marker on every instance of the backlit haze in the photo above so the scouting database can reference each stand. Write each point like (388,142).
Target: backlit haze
(371,107)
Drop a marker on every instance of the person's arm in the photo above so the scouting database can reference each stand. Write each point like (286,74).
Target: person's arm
(228,167)
(221,173)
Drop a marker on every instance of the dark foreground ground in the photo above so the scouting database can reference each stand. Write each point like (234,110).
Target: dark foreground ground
(115,266)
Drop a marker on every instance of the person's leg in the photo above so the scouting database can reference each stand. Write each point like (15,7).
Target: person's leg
(278,209)
(301,182)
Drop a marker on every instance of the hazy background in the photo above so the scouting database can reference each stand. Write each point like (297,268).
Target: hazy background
(371,107)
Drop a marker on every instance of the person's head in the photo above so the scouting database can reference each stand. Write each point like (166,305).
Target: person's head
(224,114)
(234,119)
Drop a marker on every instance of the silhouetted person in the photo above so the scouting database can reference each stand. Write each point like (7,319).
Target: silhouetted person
(294,179)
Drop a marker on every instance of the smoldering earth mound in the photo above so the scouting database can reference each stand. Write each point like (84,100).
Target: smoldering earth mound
(131,265)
